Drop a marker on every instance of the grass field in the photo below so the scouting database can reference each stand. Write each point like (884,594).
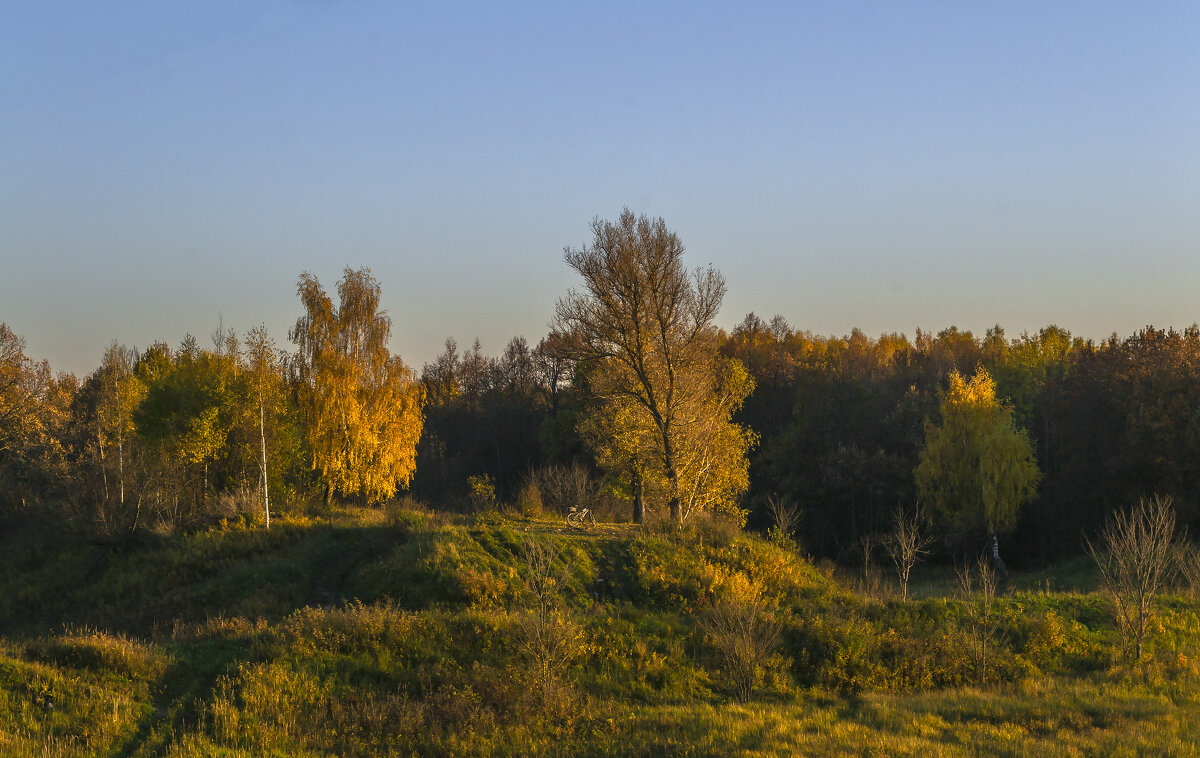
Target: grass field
(401,632)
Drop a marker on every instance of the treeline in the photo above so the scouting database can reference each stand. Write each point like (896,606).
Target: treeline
(843,422)
(158,436)
(165,437)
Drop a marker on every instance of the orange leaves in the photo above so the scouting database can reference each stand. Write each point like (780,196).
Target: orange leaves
(362,405)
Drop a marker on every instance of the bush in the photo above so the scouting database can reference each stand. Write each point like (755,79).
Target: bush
(529,499)
(745,633)
(1137,557)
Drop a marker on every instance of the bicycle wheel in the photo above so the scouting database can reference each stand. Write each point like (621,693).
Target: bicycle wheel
(573,519)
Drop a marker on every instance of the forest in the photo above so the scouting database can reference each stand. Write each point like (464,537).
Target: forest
(258,545)
(166,438)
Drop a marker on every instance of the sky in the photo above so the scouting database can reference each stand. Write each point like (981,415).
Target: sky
(166,167)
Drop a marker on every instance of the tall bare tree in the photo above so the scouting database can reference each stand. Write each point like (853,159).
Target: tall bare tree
(643,327)
(266,383)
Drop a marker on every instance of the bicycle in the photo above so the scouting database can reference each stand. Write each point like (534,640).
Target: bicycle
(579,517)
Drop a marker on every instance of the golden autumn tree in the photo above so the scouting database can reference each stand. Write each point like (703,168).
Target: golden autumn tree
(977,468)
(362,405)
(664,398)
(712,468)
(20,386)
(34,419)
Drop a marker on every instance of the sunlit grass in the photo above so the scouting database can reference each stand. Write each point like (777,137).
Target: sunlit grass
(418,647)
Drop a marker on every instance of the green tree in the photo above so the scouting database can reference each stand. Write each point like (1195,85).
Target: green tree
(642,327)
(362,405)
(977,467)
(184,424)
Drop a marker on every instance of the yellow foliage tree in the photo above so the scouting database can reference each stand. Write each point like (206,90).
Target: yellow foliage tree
(642,328)
(362,405)
(712,469)
(34,416)
(977,468)
(21,382)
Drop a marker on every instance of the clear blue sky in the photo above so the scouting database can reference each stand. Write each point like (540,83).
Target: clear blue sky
(880,165)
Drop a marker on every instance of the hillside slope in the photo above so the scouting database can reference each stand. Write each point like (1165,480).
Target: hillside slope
(401,632)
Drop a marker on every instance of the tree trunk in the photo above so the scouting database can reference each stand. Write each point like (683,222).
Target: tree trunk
(103,469)
(262,436)
(121,449)
(675,506)
(639,504)
(997,561)
(121,468)
(329,495)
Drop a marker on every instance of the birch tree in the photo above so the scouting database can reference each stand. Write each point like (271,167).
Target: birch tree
(362,405)
(121,392)
(263,364)
(977,468)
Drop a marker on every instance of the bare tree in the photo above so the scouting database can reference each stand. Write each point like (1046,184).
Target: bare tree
(977,586)
(785,515)
(871,584)
(552,370)
(1189,567)
(906,544)
(566,487)
(1137,556)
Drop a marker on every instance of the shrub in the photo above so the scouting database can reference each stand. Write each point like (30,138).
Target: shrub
(1137,557)
(564,487)
(481,489)
(529,499)
(744,631)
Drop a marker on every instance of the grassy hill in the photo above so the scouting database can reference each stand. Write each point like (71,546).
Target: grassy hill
(399,632)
